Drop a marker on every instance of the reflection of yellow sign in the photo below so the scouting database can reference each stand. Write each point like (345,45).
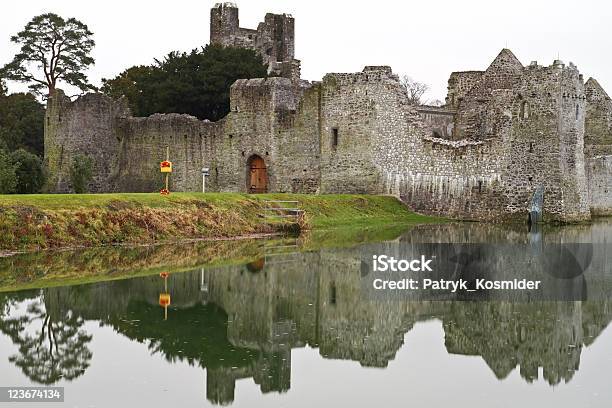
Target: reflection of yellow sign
(164,299)
(166,166)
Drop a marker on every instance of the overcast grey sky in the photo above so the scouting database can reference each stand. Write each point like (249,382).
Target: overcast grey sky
(425,39)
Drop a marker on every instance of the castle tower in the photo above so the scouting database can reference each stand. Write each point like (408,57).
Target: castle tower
(274,38)
(224,23)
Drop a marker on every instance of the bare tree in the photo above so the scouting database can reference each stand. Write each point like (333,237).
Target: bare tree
(415,89)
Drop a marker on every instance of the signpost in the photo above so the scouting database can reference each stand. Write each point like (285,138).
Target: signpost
(166,168)
(205,173)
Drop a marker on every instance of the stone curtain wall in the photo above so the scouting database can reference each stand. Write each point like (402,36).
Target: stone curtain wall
(143,143)
(126,151)
(383,148)
(598,133)
(87,126)
(599,175)
(268,118)
(598,148)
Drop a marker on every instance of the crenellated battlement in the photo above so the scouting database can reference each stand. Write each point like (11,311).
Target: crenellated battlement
(273,39)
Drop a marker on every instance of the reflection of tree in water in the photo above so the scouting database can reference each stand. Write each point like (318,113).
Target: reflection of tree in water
(196,334)
(52,346)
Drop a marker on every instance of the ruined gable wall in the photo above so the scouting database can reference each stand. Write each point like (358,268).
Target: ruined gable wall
(87,126)
(459,84)
(476,113)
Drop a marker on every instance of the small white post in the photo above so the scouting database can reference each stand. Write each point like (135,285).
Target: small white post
(205,172)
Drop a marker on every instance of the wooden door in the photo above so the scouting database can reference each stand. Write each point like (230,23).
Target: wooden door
(257,177)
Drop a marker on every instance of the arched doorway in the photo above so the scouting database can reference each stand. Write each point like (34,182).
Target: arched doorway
(257,175)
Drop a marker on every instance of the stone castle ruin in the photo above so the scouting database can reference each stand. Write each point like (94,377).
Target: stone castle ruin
(503,133)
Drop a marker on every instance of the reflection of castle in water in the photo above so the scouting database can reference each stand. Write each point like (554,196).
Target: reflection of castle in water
(243,321)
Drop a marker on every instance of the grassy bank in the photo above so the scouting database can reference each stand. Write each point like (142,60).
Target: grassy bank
(31,222)
(40,269)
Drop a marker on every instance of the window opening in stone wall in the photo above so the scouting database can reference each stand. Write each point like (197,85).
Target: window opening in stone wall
(480,186)
(332,294)
(524,110)
(334,137)
(530,147)
(577,111)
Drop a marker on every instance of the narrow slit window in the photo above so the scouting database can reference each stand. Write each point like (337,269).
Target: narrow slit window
(524,114)
(332,294)
(334,138)
(577,111)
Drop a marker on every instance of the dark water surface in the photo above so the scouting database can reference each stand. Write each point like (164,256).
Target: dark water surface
(285,324)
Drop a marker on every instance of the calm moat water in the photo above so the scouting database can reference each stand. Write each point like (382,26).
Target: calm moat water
(284,323)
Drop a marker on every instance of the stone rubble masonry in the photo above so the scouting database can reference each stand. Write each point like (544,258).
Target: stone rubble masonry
(598,147)
(503,133)
(274,38)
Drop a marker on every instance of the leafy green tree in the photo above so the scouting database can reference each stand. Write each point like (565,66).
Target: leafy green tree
(80,173)
(197,83)
(52,49)
(8,174)
(131,83)
(29,172)
(22,123)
